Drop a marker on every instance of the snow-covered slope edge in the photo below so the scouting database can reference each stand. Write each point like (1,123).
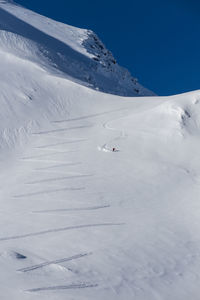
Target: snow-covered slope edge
(77,53)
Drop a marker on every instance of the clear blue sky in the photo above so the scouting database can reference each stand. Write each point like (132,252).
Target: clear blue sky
(157,40)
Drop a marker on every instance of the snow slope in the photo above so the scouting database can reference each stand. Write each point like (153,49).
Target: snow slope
(76,53)
(77,220)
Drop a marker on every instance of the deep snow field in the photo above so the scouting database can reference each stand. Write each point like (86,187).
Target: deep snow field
(78,221)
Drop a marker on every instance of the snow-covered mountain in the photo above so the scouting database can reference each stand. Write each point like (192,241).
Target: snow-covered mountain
(73,52)
(79,221)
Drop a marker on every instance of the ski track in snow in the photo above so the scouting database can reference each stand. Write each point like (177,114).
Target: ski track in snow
(59,179)
(16,237)
(90,116)
(61,198)
(48,154)
(135,210)
(61,144)
(106,147)
(57,166)
(58,261)
(64,287)
(71,209)
(49,191)
(50,167)
(62,129)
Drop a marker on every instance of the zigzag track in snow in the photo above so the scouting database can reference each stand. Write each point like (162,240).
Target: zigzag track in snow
(58,261)
(105,147)
(48,192)
(60,138)
(58,166)
(64,287)
(71,209)
(48,231)
(59,144)
(43,161)
(62,129)
(89,116)
(49,154)
(59,179)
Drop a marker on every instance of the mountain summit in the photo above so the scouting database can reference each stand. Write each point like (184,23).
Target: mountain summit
(72,52)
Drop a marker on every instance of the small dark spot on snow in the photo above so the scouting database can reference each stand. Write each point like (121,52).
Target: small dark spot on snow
(29,97)
(19,255)
(187,114)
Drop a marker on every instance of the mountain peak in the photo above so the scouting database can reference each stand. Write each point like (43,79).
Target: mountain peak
(72,52)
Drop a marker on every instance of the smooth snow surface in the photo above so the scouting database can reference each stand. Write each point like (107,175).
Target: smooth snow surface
(79,221)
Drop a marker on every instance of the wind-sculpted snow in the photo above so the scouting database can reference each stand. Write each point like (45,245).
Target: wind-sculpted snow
(58,53)
(71,54)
